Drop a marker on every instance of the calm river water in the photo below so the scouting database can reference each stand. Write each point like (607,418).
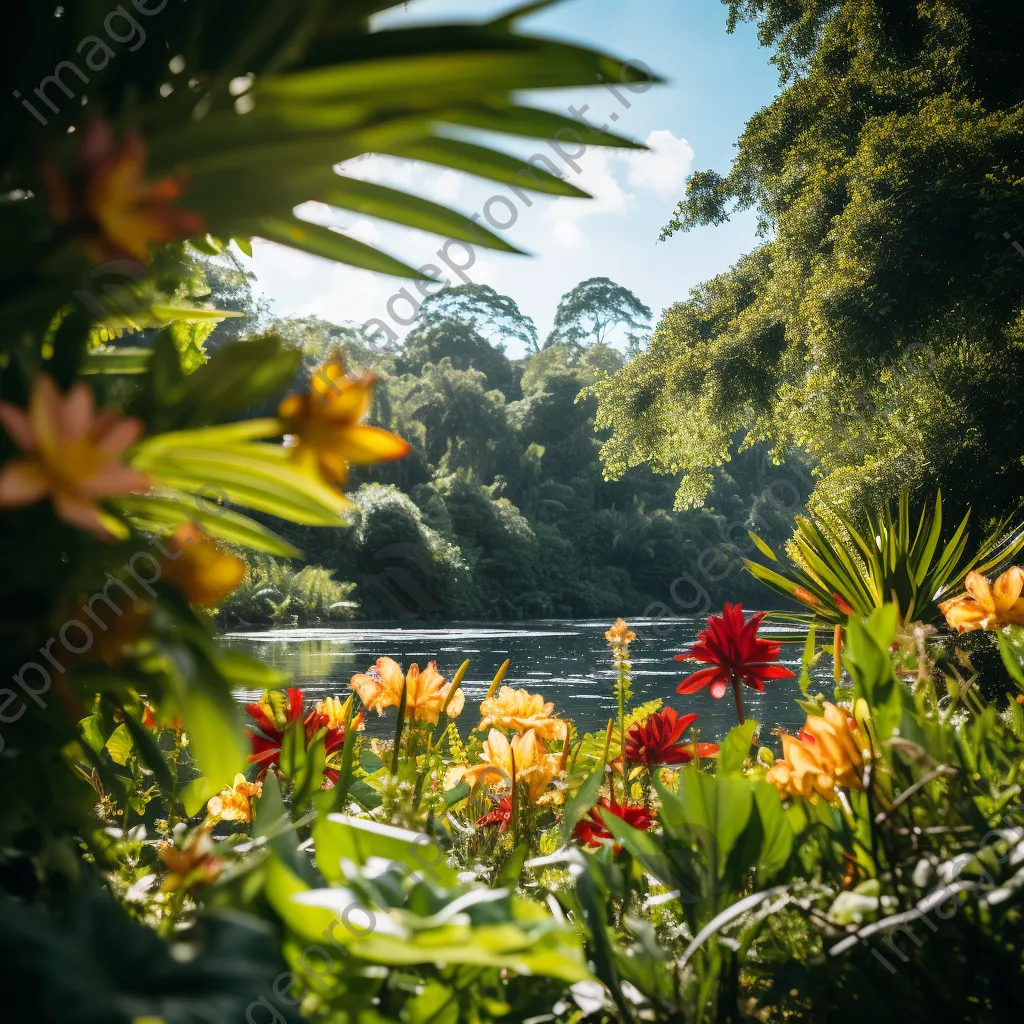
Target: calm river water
(568,661)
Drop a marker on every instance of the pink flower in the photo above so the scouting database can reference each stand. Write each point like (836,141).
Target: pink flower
(73,455)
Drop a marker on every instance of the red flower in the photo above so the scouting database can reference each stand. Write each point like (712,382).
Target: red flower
(500,816)
(736,653)
(274,715)
(659,740)
(591,830)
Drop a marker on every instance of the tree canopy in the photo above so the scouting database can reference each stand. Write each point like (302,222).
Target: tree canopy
(879,325)
(501,510)
(593,309)
(482,308)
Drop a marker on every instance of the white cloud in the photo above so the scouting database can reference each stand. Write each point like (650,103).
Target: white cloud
(567,234)
(447,188)
(663,170)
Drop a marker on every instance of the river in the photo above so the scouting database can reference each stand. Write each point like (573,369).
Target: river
(568,661)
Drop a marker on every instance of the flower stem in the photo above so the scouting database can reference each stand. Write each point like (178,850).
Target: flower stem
(837,654)
(622,734)
(739,699)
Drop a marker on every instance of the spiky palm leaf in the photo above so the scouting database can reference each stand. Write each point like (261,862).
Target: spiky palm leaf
(839,563)
(266,100)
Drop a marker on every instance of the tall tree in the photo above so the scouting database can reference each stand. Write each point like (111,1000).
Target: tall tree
(495,316)
(880,325)
(593,309)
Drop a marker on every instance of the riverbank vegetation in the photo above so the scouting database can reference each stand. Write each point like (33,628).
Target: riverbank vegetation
(168,855)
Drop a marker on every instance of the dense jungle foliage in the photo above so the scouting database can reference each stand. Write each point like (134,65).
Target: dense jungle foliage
(501,510)
(879,325)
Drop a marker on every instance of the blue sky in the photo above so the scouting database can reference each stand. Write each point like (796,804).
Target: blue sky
(716,81)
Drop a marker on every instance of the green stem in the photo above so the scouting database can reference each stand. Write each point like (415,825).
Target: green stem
(622,732)
(739,699)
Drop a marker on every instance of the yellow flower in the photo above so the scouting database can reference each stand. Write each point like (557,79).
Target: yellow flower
(234,804)
(325,428)
(112,210)
(620,635)
(203,572)
(984,606)
(72,454)
(519,710)
(827,755)
(524,759)
(330,712)
(380,687)
(192,865)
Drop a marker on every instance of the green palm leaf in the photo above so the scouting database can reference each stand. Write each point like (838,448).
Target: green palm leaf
(869,564)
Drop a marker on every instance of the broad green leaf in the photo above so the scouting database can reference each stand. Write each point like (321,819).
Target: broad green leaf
(155,512)
(582,801)
(778,835)
(195,794)
(342,838)
(735,748)
(321,241)
(120,745)
(867,660)
(215,734)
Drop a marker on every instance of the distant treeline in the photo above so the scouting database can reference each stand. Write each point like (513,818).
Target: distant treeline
(502,510)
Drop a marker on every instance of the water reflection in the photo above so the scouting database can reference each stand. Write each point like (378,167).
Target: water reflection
(566,660)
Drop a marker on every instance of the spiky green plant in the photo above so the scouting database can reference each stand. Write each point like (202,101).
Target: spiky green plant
(839,567)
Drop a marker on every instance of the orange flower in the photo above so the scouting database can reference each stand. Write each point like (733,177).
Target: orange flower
(524,759)
(620,635)
(826,756)
(519,710)
(73,455)
(380,687)
(326,429)
(234,804)
(106,202)
(191,866)
(202,571)
(987,606)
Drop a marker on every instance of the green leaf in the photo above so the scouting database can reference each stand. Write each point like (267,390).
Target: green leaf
(310,776)
(716,810)
(121,361)
(293,750)
(581,801)
(512,869)
(168,508)
(1011,650)
(119,745)
(735,748)
(215,734)
(195,794)
(321,241)
(342,838)
(259,476)
(867,660)
(150,753)
(807,662)
(761,546)
(778,835)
